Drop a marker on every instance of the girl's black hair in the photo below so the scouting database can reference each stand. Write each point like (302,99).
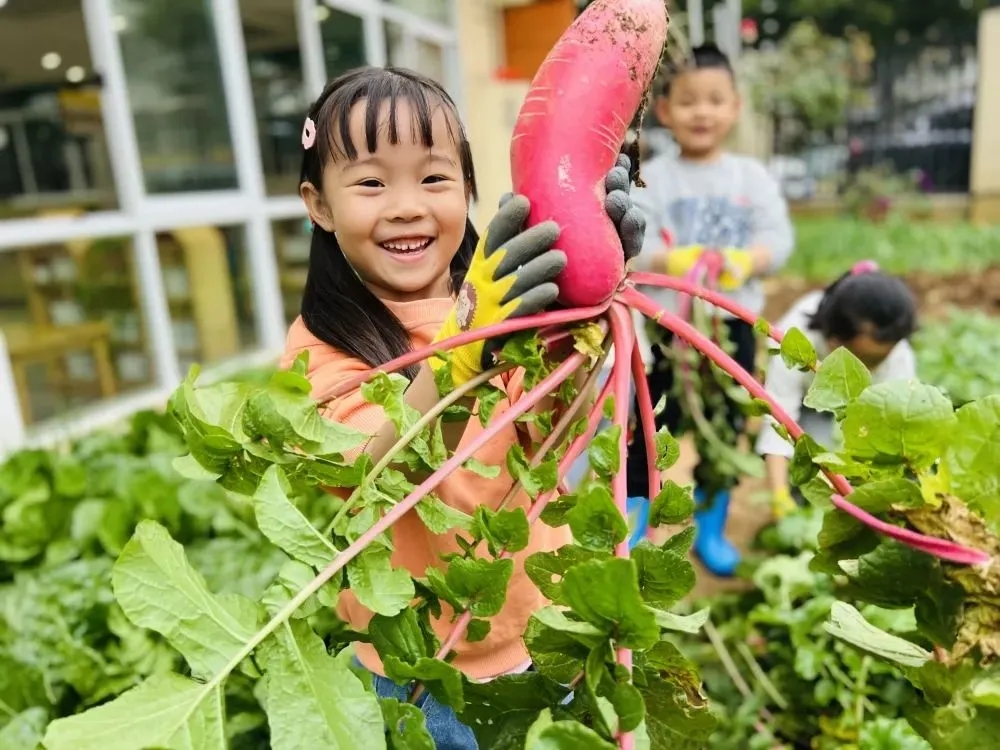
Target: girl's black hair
(337,307)
(866,302)
(701,57)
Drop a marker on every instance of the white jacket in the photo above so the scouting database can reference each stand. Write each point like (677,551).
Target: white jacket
(789,387)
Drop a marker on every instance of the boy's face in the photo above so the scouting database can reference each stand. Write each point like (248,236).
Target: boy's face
(700,110)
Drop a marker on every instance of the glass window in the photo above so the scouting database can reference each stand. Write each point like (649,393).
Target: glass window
(176,95)
(343,40)
(207,283)
(70,316)
(395,45)
(279,94)
(435,10)
(53,151)
(292,240)
(430,60)
(408,51)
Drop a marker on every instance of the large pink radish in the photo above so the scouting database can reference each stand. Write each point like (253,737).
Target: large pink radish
(571,128)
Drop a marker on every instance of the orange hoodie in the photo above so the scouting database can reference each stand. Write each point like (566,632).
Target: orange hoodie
(416,548)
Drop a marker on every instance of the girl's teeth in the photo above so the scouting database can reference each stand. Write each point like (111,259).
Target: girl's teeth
(406,247)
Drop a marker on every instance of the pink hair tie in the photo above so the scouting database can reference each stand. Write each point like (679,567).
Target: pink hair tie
(864,266)
(308,134)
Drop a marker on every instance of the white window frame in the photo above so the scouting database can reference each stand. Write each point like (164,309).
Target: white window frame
(140,215)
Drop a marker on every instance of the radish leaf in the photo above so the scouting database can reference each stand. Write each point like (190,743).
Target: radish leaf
(25,730)
(504,529)
(665,577)
(313,699)
(167,711)
(909,422)
(378,585)
(606,593)
(158,589)
(797,351)
(840,379)
(407,726)
(281,522)
(673,505)
(594,519)
(850,625)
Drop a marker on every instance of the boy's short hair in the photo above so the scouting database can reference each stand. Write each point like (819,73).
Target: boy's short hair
(703,56)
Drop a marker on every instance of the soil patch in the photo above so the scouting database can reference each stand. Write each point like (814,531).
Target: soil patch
(935,293)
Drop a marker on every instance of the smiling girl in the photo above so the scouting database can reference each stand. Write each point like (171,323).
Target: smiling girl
(395,264)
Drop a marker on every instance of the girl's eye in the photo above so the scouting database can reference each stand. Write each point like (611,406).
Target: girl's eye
(372,183)
(435,178)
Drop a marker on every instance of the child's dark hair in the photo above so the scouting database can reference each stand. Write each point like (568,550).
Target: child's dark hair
(337,306)
(701,57)
(866,301)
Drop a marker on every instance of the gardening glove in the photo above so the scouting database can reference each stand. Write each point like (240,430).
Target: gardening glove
(736,270)
(782,503)
(681,260)
(511,275)
(628,219)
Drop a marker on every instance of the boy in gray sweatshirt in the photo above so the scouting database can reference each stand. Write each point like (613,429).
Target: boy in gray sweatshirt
(704,200)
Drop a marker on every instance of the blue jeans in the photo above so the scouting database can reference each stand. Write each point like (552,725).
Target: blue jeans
(446,730)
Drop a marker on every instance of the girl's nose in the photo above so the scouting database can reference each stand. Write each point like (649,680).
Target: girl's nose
(407,205)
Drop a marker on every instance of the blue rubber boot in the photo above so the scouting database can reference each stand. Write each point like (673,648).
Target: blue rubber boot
(710,545)
(638,517)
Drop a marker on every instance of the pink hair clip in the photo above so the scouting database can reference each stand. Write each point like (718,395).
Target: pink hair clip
(308,134)
(864,266)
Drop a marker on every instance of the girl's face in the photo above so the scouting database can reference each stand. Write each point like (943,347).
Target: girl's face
(399,213)
(870,351)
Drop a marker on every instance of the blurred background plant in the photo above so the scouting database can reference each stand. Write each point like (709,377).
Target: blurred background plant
(806,82)
(873,193)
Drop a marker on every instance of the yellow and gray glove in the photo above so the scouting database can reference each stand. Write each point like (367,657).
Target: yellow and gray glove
(627,218)
(736,265)
(782,503)
(681,260)
(737,268)
(512,274)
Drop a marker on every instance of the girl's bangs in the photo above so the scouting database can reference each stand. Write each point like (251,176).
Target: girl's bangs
(381,101)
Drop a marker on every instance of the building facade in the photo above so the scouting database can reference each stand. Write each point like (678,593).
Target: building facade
(149,156)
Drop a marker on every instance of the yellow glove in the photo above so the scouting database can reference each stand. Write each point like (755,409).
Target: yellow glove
(737,269)
(511,275)
(782,503)
(682,259)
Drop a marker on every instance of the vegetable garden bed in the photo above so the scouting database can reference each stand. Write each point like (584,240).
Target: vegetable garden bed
(175,587)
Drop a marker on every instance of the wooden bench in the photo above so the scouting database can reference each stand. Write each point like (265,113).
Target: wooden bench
(33,344)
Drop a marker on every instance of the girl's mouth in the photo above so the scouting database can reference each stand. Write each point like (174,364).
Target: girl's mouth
(407,246)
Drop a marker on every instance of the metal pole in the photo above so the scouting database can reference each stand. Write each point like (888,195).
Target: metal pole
(129,180)
(311,43)
(696,22)
(238,89)
(12,424)
(736,18)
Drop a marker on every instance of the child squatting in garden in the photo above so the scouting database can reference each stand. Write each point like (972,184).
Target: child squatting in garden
(395,264)
(704,203)
(869,313)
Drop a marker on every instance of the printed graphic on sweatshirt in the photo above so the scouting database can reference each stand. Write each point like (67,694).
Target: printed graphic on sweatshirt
(711,221)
